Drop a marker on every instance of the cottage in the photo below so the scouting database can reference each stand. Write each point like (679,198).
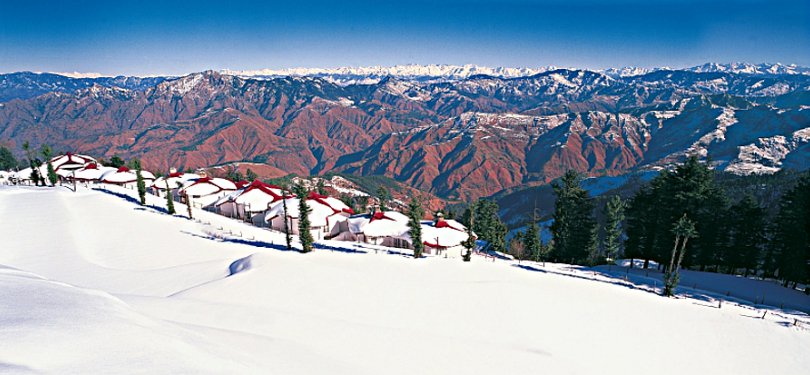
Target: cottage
(385,228)
(173,182)
(444,237)
(204,191)
(249,202)
(90,173)
(70,162)
(328,216)
(125,177)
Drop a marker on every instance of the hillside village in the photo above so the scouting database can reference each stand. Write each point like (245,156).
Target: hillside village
(215,290)
(265,205)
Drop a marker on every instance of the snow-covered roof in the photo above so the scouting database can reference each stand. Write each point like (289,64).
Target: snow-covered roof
(207,186)
(380,224)
(91,172)
(443,233)
(174,180)
(70,161)
(322,207)
(257,196)
(124,175)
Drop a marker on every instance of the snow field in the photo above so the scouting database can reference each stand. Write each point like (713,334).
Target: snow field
(141,291)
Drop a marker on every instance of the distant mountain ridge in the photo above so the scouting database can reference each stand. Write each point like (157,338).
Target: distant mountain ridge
(458,139)
(371,74)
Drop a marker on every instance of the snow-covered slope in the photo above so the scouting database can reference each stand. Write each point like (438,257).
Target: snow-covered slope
(130,289)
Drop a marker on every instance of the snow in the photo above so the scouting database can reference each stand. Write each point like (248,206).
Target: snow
(322,209)
(109,287)
(766,154)
(92,172)
(174,180)
(351,75)
(206,190)
(124,175)
(381,224)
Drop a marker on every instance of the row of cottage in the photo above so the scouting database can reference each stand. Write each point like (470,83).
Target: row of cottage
(262,204)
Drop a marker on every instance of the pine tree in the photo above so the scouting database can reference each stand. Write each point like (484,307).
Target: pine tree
(689,189)
(31,163)
(304,233)
(320,187)
(747,236)
(7,159)
(792,235)
(574,227)
(250,175)
(141,186)
(116,162)
(384,196)
(614,216)
(415,214)
(531,238)
(169,200)
(287,234)
(468,219)
(47,153)
(684,229)
(489,226)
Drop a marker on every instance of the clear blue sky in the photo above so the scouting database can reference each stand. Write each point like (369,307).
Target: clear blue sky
(167,37)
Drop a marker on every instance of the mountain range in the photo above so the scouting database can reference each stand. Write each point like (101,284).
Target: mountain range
(451,131)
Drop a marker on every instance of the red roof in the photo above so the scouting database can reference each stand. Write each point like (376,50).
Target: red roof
(123,169)
(379,215)
(322,200)
(441,223)
(265,188)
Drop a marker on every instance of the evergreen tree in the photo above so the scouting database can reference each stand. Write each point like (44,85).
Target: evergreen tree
(134,164)
(304,233)
(747,236)
(384,196)
(574,227)
(415,214)
(287,234)
(47,153)
(250,175)
(683,230)
(35,177)
(233,174)
(468,219)
(320,187)
(689,189)
(348,201)
(141,186)
(792,235)
(117,162)
(488,225)
(31,163)
(531,238)
(169,200)
(614,216)
(7,159)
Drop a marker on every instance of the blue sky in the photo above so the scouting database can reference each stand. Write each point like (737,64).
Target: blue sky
(177,37)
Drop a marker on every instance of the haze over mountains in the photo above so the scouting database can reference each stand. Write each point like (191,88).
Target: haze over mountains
(458,132)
